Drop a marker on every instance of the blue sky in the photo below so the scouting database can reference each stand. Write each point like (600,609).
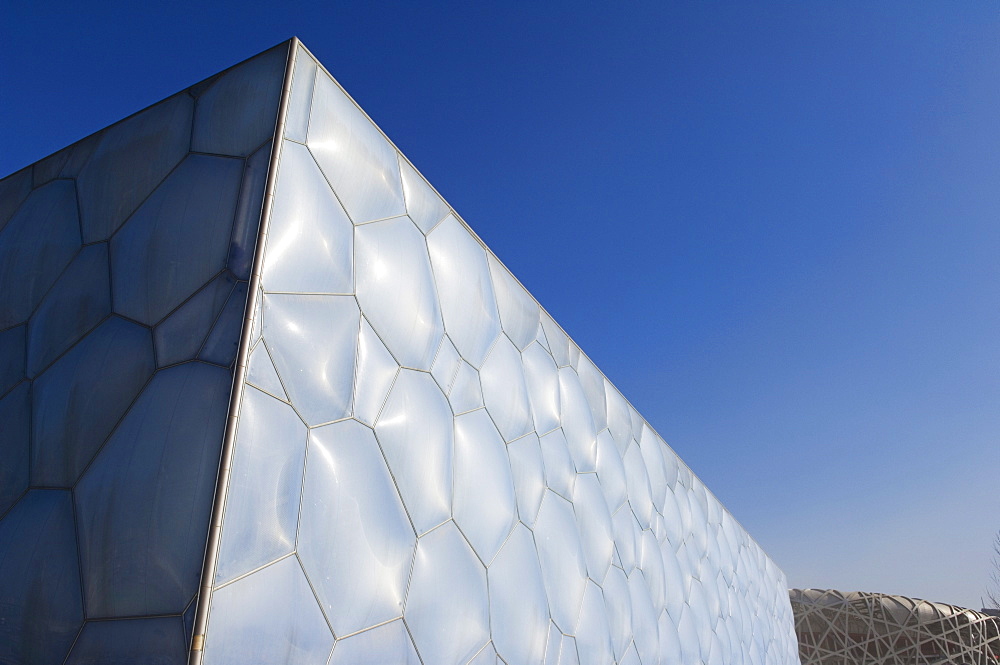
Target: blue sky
(776,227)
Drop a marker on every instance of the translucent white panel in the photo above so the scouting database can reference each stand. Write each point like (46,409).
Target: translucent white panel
(158,468)
(593,637)
(540,336)
(651,563)
(181,335)
(237,112)
(16,187)
(416,433)
(611,471)
(577,422)
(542,380)
(625,537)
(313,342)
(466,393)
(262,502)
(527,471)
(77,302)
(357,160)
(670,642)
(568,651)
(485,508)
(652,449)
(688,632)
(310,241)
(447,608)
(132,158)
(574,355)
(619,421)
(423,204)
(446,363)
(128,641)
(15,414)
(268,617)
(177,240)
(564,569)
(519,613)
(631,657)
(389,643)
(639,494)
(80,398)
(592,382)
(39,579)
(504,390)
(518,310)
(486,656)
(618,605)
(558,341)
(354,540)
(300,99)
(375,374)
(560,475)
(463,283)
(644,617)
(36,244)
(224,340)
(594,523)
(396,290)
(673,581)
(243,243)
(261,373)
(553,641)
(12,357)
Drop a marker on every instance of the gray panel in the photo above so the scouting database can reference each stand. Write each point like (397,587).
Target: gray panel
(39,241)
(81,397)
(154,641)
(268,617)
(177,240)
(519,612)
(224,340)
(132,158)
(13,190)
(262,504)
(154,480)
(238,110)
(12,357)
(181,335)
(244,240)
(40,605)
(76,303)
(389,643)
(355,541)
(300,100)
(15,414)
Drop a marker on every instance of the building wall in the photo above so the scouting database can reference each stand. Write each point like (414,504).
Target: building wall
(427,468)
(124,262)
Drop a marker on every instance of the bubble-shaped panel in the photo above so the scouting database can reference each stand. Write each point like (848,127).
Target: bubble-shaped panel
(519,613)
(416,432)
(619,420)
(611,471)
(528,473)
(592,382)
(15,188)
(560,476)
(157,640)
(466,392)
(466,291)
(518,310)
(181,335)
(593,637)
(637,479)
(542,380)
(388,643)
(446,363)
(504,390)
(300,99)
(618,605)
(15,414)
(243,243)
(447,607)
(12,357)
(354,539)
(564,569)
(423,204)
(577,423)
(310,240)
(644,625)
(262,500)
(396,290)
(485,507)
(261,373)
(594,522)
(375,374)
(223,341)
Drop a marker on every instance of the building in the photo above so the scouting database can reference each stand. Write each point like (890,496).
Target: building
(838,628)
(267,398)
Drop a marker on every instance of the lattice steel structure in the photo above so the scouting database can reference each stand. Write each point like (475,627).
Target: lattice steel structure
(266,398)
(855,628)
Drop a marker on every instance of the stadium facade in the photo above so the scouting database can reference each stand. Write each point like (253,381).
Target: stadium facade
(845,628)
(267,398)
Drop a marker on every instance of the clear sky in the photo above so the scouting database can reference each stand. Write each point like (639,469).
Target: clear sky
(776,227)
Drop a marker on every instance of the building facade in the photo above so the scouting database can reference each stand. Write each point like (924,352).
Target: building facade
(267,398)
(855,628)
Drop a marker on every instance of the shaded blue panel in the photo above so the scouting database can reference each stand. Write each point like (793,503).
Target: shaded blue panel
(13,190)
(237,112)
(36,244)
(77,302)
(40,605)
(270,616)
(177,240)
(154,641)
(144,503)
(224,340)
(48,168)
(181,335)
(15,424)
(132,158)
(81,397)
(244,240)
(12,352)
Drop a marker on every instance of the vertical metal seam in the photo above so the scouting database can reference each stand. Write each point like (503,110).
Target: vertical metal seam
(196,648)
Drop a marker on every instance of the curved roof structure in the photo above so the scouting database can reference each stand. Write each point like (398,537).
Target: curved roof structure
(837,627)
